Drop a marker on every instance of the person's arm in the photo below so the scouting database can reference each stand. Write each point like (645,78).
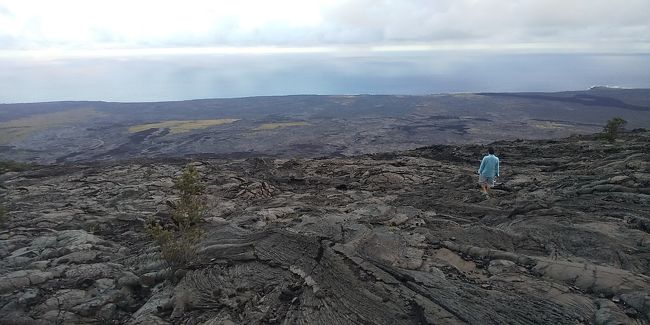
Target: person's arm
(480,168)
(497,167)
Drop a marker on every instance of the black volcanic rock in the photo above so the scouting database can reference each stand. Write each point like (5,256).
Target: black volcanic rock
(392,238)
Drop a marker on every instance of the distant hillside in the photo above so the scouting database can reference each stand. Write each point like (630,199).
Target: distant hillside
(303,125)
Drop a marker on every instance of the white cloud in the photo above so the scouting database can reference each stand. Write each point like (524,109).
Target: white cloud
(81,25)
(496,20)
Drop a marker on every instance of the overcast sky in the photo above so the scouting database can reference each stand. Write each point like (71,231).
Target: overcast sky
(33,31)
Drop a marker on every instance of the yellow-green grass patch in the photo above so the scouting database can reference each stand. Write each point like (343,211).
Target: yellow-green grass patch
(273,126)
(16,129)
(181,126)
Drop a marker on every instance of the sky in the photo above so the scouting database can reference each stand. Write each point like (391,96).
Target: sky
(144,50)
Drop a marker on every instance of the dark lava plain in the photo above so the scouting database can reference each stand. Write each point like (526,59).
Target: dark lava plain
(392,238)
(305,126)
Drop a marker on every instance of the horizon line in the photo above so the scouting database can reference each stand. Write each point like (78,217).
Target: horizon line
(327,95)
(342,49)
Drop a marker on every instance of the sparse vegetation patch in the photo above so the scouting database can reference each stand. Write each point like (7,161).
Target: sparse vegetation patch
(273,126)
(613,128)
(19,128)
(178,241)
(181,126)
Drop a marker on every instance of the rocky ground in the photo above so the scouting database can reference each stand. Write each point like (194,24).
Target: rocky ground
(396,238)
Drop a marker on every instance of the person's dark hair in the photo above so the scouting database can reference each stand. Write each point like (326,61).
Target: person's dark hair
(491,150)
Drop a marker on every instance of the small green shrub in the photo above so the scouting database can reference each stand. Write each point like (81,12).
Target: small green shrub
(178,249)
(178,243)
(613,128)
(189,208)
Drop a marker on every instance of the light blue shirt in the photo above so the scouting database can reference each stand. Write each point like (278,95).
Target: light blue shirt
(489,166)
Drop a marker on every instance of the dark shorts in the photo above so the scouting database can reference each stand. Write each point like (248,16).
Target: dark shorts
(486,180)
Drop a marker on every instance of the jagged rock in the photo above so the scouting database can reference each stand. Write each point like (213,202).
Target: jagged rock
(397,220)
(407,239)
(502,266)
(79,257)
(19,318)
(256,190)
(102,285)
(107,312)
(62,300)
(92,271)
(609,314)
(150,320)
(146,314)
(592,278)
(640,300)
(603,280)
(43,242)
(23,278)
(128,279)
(64,317)
(29,296)
(151,278)
(273,214)
(392,179)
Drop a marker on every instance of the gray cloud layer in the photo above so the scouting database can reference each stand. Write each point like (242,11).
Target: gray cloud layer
(357,22)
(518,21)
(131,50)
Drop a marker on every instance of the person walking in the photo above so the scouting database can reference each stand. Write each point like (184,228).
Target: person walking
(488,171)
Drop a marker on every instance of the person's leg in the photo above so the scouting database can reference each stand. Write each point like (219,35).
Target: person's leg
(489,182)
